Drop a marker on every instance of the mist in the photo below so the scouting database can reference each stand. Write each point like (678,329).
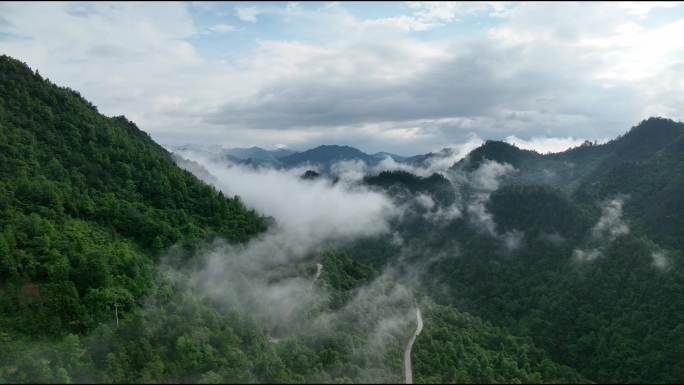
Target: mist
(308,213)
(611,225)
(484,180)
(271,277)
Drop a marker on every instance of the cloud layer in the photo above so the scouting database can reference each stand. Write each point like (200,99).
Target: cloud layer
(409,78)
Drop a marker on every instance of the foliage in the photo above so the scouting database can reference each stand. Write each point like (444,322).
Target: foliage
(90,204)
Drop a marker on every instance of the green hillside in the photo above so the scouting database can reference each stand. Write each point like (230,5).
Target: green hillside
(87,205)
(615,318)
(90,206)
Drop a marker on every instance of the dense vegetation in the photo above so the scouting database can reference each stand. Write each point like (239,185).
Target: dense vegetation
(616,317)
(100,233)
(459,348)
(87,202)
(87,205)
(324,156)
(90,206)
(436,185)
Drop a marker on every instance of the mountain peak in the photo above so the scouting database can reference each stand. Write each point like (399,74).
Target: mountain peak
(325,155)
(648,137)
(498,151)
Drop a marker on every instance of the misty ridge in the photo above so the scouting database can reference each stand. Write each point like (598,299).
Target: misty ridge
(270,277)
(407,207)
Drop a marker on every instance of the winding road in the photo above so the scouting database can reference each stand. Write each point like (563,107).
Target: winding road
(408,371)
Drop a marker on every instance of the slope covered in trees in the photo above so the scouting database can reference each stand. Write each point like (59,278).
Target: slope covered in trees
(595,274)
(89,206)
(85,200)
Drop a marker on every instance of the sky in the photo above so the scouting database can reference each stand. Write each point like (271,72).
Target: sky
(403,77)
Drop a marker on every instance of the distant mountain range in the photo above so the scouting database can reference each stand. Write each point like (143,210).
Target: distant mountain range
(255,156)
(321,157)
(567,170)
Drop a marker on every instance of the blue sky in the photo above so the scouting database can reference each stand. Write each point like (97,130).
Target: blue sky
(405,77)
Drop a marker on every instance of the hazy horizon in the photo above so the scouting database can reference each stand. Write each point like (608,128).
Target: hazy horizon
(402,77)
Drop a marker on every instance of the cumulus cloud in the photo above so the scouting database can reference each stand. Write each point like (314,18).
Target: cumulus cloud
(248,14)
(426,15)
(386,87)
(471,74)
(449,83)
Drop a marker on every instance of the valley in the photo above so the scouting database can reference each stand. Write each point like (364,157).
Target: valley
(125,261)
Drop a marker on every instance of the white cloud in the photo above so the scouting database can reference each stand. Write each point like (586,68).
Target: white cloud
(591,71)
(426,15)
(642,8)
(222,28)
(544,145)
(248,14)
(309,213)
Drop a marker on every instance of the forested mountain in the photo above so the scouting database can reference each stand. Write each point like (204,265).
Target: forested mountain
(587,163)
(85,199)
(382,155)
(644,166)
(325,156)
(322,157)
(101,230)
(580,250)
(436,185)
(252,156)
(259,153)
(88,204)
